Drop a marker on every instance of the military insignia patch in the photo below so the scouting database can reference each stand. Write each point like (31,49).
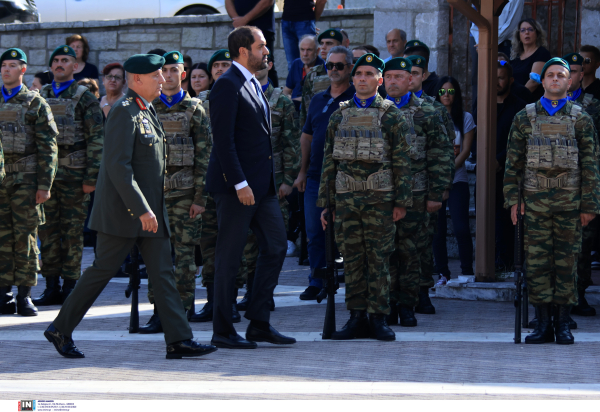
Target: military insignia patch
(227,55)
(398,100)
(363,102)
(369,59)
(66,49)
(125,103)
(402,64)
(140,103)
(175,56)
(418,61)
(554,103)
(13,53)
(332,33)
(9,91)
(57,85)
(574,57)
(416,43)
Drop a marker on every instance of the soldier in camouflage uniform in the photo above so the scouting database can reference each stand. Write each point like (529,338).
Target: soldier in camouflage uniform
(186,129)
(29,141)
(432,161)
(2,172)
(367,169)
(81,135)
(552,151)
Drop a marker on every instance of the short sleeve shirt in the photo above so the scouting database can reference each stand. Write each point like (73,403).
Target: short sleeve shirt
(522,68)
(468,125)
(295,77)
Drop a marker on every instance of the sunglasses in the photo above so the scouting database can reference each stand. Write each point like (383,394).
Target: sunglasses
(338,66)
(444,91)
(328,104)
(587,60)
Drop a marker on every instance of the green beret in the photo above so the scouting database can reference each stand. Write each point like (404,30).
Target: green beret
(334,34)
(398,63)
(574,59)
(555,61)
(416,45)
(143,63)
(418,61)
(14,54)
(369,59)
(63,50)
(173,57)
(218,56)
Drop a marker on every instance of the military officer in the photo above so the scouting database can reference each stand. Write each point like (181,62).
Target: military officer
(367,169)
(186,130)
(431,164)
(552,152)
(81,134)
(130,209)
(29,141)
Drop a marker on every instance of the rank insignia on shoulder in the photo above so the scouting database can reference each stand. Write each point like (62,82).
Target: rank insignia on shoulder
(140,103)
(125,103)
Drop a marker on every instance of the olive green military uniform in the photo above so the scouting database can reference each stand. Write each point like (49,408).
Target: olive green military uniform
(367,167)
(30,154)
(187,138)
(556,157)
(81,135)
(315,81)
(2,172)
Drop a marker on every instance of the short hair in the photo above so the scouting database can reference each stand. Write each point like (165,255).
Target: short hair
(45,77)
(341,50)
(109,67)
(309,36)
(360,48)
(420,52)
(506,66)
(91,85)
(371,49)
(587,48)
(86,46)
(344,34)
(503,55)
(158,52)
(241,37)
(187,59)
(402,34)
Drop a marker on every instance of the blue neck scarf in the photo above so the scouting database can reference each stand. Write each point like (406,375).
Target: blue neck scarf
(61,87)
(400,102)
(266,86)
(364,103)
(9,94)
(419,93)
(574,95)
(553,106)
(171,101)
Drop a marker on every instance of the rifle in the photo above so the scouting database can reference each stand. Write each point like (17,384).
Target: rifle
(521,300)
(328,274)
(133,269)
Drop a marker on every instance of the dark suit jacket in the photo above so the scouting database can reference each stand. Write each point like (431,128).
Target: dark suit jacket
(132,173)
(241,137)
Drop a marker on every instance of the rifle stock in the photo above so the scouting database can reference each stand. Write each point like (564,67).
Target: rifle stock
(521,302)
(133,269)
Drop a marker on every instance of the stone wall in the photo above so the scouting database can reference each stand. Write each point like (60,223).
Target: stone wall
(590,24)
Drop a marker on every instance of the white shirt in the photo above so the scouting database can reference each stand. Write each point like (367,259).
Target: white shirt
(508,21)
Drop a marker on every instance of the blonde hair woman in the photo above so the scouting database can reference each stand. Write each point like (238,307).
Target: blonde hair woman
(528,53)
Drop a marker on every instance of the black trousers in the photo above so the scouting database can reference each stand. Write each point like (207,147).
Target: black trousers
(234,219)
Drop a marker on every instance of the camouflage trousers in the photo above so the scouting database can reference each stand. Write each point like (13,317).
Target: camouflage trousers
(62,235)
(584,263)
(185,234)
(427,265)
(19,219)
(552,244)
(365,236)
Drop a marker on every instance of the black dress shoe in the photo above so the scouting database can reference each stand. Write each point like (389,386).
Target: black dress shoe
(543,332)
(255,334)
(231,342)
(153,326)
(188,349)
(24,305)
(425,306)
(8,304)
(407,316)
(583,308)
(310,293)
(379,328)
(63,344)
(392,318)
(357,327)
(206,314)
(51,295)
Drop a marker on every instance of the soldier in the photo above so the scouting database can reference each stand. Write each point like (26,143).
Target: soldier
(367,169)
(29,142)
(552,151)
(2,172)
(285,141)
(187,137)
(431,165)
(81,135)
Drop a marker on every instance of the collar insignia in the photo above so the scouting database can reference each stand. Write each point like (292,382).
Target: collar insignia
(125,103)
(169,99)
(398,100)
(554,103)
(9,91)
(363,102)
(570,94)
(140,103)
(57,85)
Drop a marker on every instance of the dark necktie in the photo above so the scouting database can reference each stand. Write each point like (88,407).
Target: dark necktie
(258,92)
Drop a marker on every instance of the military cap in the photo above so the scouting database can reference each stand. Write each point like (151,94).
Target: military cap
(14,54)
(575,59)
(415,45)
(398,63)
(218,56)
(369,59)
(555,61)
(63,50)
(334,34)
(143,63)
(418,61)
(173,57)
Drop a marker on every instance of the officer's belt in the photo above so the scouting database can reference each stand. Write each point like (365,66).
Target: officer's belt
(420,181)
(278,161)
(377,182)
(75,160)
(562,181)
(25,165)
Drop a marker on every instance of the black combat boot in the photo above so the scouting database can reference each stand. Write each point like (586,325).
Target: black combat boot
(425,306)
(153,325)
(206,314)
(379,328)
(533,323)
(392,318)
(583,308)
(235,315)
(8,305)
(24,305)
(67,288)
(243,304)
(561,325)
(407,316)
(51,295)
(356,328)
(544,332)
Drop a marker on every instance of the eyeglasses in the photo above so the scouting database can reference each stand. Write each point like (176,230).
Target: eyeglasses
(339,66)
(587,60)
(444,91)
(110,77)
(328,104)
(527,30)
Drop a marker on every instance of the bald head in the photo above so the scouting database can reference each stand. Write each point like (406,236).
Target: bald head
(396,42)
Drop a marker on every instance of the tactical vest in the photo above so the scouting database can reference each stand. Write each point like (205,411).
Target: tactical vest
(70,131)
(18,137)
(552,147)
(319,84)
(276,120)
(418,145)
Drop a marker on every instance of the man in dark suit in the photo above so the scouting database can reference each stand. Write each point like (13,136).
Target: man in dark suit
(241,180)
(129,209)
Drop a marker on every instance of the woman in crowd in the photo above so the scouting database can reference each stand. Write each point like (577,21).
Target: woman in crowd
(450,96)
(528,54)
(41,79)
(200,80)
(82,49)
(114,83)
(92,85)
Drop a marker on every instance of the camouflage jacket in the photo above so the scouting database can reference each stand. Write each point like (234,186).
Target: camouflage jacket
(199,131)
(592,107)
(439,154)
(282,119)
(2,174)
(587,199)
(88,112)
(40,117)
(395,128)
(449,128)
(307,91)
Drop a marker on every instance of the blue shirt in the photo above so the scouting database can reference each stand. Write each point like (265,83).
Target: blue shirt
(294,79)
(316,125)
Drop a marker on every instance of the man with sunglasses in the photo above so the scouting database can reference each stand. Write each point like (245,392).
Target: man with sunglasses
(432,163)
(312,143)
(591,63)
(552,154)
